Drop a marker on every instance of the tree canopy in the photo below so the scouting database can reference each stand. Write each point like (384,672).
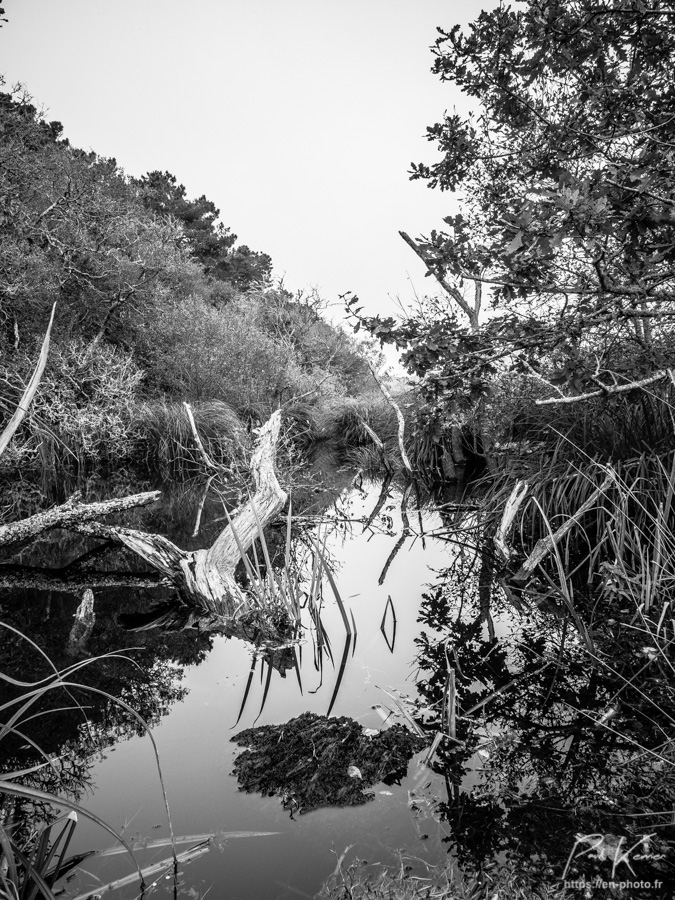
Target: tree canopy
(564,178)
(210,241)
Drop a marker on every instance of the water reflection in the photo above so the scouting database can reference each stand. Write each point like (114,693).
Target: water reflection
(337,669)
(553,744)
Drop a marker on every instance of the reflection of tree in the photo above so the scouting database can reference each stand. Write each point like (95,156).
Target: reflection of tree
(147,678)
(569,743)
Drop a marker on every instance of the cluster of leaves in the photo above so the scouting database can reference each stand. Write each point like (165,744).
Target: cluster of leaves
(564,177)
(315,761)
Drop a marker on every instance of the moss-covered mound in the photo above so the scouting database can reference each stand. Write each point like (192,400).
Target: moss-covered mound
(315,761)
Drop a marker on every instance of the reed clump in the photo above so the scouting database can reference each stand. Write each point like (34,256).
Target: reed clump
(166,442)
(629,531)
(343,422)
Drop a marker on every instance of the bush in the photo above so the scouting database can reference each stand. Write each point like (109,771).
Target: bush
(196,351)
(82,410)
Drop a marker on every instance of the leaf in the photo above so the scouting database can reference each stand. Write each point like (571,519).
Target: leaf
(515,244)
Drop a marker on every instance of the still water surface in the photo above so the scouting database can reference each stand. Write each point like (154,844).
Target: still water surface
(196,752)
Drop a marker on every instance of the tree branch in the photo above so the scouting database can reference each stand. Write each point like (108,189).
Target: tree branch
(610,389)
(447,287)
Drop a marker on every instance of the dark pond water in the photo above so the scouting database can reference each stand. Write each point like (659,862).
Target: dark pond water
(199,690)
(559,761)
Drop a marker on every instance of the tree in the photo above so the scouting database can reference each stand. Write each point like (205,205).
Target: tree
(210,241)
(72,230)
(568,208)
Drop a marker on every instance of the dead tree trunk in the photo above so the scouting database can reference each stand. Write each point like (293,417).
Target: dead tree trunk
(205,578)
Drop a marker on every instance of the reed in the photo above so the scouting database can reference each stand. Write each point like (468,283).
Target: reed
(30,867)
(165,439)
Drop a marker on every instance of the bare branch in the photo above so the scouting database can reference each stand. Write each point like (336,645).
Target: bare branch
(447,287)
(610,389)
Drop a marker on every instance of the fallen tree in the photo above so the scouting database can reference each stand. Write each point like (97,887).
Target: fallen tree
(204,579)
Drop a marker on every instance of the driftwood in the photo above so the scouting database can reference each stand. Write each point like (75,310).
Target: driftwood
(31,389)
(605,391)
(204,578)
(70,514)
(501,538)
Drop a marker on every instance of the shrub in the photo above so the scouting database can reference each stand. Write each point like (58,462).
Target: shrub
(82,410)
(197,351)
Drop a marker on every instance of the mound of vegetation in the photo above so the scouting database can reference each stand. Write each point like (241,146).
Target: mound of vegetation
(315,761)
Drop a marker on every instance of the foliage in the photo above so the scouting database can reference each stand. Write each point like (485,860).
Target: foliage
(193,350)
(137,266)
(310,761)
(72,230)
(82,410)
(565,187)
(210,241)
(564,685)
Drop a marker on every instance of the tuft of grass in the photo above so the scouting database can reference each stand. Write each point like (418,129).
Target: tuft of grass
(165,438)
(360,880)
(342,422)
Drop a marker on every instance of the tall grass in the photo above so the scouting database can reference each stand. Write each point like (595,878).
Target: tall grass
(166,442)
(625,545)
(31,865)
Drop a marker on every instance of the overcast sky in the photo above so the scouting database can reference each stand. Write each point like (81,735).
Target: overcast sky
(298,118)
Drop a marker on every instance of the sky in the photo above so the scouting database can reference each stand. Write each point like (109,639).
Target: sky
(298,118)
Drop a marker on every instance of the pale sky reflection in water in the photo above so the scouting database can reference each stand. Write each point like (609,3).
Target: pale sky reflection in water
(196,752)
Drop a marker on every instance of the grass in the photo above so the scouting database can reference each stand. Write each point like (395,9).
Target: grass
(166,441)
(30,864)
(359,881)
(624,547)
